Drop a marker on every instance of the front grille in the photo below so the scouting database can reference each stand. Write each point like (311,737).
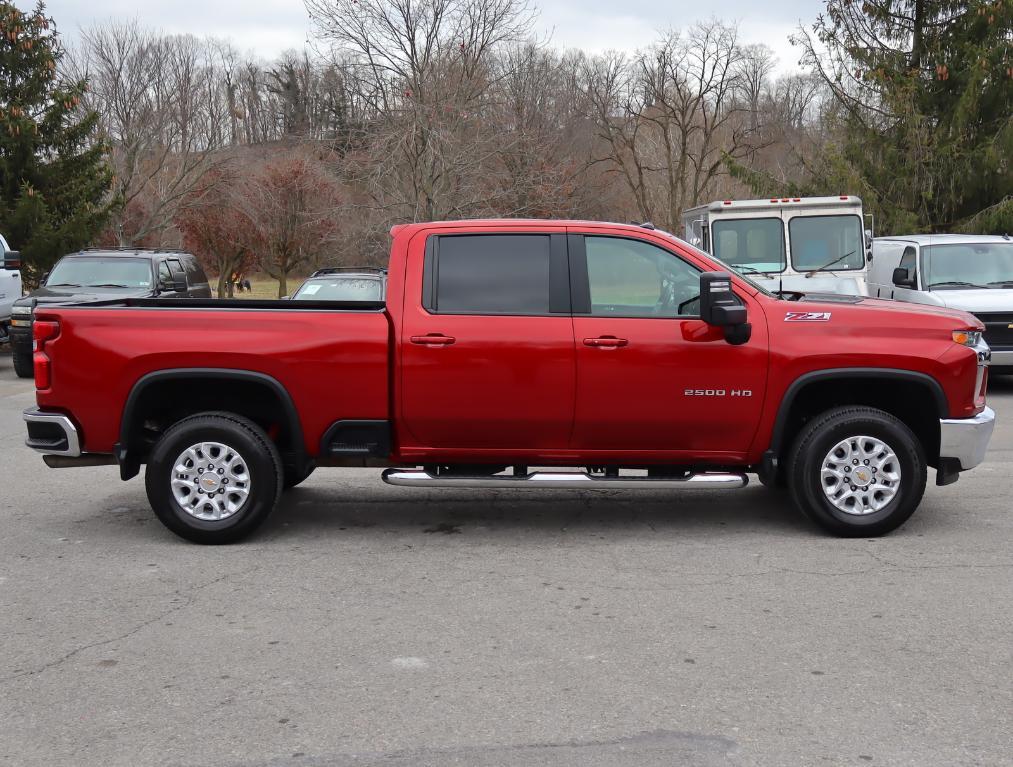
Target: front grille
(998,328)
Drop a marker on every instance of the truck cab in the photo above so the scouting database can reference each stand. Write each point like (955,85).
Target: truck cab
(791,244)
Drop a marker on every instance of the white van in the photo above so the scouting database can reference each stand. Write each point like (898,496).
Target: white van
(973,272)
(10,288)
(803,244)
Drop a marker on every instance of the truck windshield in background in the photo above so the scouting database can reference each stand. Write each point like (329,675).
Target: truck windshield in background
(340,289)
(964,265)
(98,272)
(826,242)
(755,243)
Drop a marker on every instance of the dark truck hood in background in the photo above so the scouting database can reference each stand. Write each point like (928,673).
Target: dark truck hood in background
(46,295)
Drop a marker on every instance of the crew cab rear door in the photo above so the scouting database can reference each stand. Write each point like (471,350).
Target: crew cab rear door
(487,351)
(651,375)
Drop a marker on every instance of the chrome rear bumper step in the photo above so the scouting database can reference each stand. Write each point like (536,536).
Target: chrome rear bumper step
(570,480)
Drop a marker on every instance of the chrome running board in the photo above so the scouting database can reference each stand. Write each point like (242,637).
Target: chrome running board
(570,480)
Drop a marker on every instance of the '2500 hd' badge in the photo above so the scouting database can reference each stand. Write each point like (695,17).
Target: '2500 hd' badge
(807,317)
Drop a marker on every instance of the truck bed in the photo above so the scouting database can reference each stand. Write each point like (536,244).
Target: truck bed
(332,358)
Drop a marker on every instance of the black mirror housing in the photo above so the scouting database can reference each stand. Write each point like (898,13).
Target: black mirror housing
(902,278)
(719,306)
(12,260)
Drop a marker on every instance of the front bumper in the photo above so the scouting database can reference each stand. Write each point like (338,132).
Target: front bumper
(21,334)
(966,439)
(1002,357)
(52,433)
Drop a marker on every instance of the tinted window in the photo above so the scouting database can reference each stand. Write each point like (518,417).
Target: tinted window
(177,270)
(755,243)
(826,242)
(492,274)
(630,278)
(194,273)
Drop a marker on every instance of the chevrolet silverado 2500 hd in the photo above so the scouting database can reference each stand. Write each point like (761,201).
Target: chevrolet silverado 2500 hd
(504,345)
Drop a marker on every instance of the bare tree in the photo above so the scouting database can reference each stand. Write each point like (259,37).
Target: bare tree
(156,99)
(668,117)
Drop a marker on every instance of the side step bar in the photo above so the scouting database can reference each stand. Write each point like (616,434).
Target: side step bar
(571,480)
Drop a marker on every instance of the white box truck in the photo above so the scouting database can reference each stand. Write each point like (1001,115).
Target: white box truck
(797,244)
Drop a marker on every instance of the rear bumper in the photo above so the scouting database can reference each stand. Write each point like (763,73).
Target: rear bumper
(966,439)
(52,433)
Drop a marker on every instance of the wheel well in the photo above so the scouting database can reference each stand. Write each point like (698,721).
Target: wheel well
(157,403)
(911,400)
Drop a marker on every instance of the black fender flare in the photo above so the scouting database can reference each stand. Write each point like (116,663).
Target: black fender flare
(796,386)
(126,453)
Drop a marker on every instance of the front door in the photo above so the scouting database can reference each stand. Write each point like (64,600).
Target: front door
(650,374)
(487,352)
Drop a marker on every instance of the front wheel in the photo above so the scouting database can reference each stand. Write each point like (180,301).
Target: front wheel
(857,471)
(213,478)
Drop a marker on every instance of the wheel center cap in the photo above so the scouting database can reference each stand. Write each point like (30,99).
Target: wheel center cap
(209,482)
(863,475)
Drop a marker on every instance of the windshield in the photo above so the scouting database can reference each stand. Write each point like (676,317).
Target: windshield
(754,243)
(101,271)
(831,243)
(968,264)
(341,289)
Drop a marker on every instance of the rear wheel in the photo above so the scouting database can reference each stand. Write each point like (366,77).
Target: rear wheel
(857,472)
(23,364)
(213,478)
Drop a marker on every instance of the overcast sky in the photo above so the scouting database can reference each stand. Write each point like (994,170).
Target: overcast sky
(268,27)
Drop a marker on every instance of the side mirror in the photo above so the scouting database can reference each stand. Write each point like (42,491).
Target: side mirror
(902,278)
(719,306)
(12,260)
(45,277)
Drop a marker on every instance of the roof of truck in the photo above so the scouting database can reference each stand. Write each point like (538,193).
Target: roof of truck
(940,239)
(842,200)
(534,223)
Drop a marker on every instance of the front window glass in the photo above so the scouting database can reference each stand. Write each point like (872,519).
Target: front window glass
(340,289)
(750,245)
(101,272)
(830,243)
(971,264)
(630,278)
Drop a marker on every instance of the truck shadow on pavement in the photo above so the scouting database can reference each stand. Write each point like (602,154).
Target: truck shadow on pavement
(314,510)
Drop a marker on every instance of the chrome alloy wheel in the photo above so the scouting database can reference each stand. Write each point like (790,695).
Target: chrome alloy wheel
(860,475)
(210,481)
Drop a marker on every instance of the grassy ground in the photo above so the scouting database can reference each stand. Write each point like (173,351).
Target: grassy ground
(265,287)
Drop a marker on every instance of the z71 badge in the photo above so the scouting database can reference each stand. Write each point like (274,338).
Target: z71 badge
(807,317)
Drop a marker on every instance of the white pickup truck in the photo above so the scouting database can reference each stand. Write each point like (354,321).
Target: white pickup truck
(10,288)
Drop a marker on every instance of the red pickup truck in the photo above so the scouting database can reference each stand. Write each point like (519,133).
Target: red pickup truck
(615,350)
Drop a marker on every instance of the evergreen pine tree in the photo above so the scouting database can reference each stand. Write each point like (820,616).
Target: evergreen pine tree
(54,179)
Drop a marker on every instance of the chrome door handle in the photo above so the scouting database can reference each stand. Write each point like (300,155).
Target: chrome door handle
(607,342)
(433,339)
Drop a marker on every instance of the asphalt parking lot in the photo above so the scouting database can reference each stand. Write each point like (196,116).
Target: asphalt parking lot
(371,625)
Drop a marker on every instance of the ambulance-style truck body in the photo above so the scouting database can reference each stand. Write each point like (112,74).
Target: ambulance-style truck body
(798,244)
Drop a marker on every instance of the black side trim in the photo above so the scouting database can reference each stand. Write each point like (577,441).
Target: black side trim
(130,462)
(580,288)
(429,274)
(559,275)
(356,438)
(892,374)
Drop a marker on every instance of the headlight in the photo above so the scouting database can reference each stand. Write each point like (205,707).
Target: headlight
(21,311)
(967,337)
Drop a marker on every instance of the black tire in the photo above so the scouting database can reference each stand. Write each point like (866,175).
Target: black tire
(294,477)
(262,464)
(23,367)
(814,443)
